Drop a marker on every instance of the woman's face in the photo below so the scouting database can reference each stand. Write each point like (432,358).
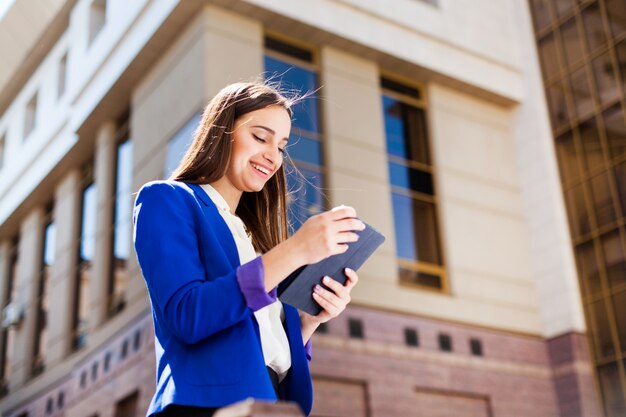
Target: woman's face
(259,139)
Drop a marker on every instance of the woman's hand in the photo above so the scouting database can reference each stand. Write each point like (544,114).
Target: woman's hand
(333,302)
(327,234)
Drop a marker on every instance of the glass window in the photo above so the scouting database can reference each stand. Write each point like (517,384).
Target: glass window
(605,77)
(578,215)
(571,42)
(97,18)
(62,76)
(604,348)
(2,146)
(611,388)
(567,159)
(86,255)
(7,348)
(30,116)
(557,105)
(122,227)
(602,201)
(549,59)
(413,192)
(620,181)
(178,144)
(592,147)
(620,50)
(594,29)
(615,263)
(290,66)
(588,269)
(616,13)
(581,92)
(615,130)
(564,7)
(541,14)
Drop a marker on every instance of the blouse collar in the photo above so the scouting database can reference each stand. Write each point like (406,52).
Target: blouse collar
(217,198)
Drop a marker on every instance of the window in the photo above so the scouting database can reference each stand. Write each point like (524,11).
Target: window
(355,327)
(41,320)
(178,144)
(2,147)
(127,407)
(411,337)
(7,348)
(97,18)
(123,208)
(137,340)
(85,258)
(476,347)
(30,116)
(413,196)
(62,77)
(293,68)
(445,342)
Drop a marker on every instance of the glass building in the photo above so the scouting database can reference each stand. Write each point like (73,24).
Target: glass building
(582,50)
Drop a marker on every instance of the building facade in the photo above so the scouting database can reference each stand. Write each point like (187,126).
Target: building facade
(428,117)
(582,48)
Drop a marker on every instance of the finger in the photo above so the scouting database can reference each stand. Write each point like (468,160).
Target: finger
(353,278)
(347,225)
(342,212)
(347,237)
(326,305)
(336,286)
(332,299)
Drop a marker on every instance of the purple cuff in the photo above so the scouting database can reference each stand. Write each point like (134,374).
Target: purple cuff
(307,350)
(250,278)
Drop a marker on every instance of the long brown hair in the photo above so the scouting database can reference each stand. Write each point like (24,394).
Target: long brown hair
(265,212)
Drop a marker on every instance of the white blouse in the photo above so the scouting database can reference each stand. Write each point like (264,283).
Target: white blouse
(274,340)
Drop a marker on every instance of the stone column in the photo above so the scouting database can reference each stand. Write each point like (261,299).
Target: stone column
(104,178)
(62,282)
(27,286)
(356,155)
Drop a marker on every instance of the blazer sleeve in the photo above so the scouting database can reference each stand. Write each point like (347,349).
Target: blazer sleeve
(166,244)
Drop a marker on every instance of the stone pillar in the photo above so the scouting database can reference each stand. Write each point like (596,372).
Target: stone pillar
(27,286)
(62,282)
(104,178)
(355,152)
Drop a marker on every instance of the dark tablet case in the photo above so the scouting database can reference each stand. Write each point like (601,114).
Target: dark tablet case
(297,288)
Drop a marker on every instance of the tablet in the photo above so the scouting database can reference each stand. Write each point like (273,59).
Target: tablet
(297,288)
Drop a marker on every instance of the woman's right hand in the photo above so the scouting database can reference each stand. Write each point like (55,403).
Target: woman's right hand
(327,234)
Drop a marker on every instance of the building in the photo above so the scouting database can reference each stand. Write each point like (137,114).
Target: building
(431,121)
(582,48)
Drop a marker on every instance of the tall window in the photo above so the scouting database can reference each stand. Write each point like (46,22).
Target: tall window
(2,146)
(294,68)
(7,348)
(41,320)
(123,203)
(97,18)
(62,76)
(178,144)
(413,190)
(30,116)
(85,258)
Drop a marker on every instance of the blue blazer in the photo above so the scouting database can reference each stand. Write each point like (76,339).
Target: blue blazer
(207,343)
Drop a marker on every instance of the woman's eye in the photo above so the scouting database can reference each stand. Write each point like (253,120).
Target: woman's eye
(259,139)
(282,151)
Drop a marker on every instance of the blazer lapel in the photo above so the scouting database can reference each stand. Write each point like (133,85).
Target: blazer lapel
(218,223)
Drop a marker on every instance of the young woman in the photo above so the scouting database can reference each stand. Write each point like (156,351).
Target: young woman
(212,245)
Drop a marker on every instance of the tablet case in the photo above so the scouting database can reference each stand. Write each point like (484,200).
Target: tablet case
(297,288)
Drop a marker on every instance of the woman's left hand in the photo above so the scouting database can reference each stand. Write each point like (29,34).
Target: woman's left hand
(335,301)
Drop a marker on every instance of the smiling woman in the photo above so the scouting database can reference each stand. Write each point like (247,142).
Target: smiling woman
(213,246)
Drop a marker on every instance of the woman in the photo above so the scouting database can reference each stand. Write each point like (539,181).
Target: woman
(212,245)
